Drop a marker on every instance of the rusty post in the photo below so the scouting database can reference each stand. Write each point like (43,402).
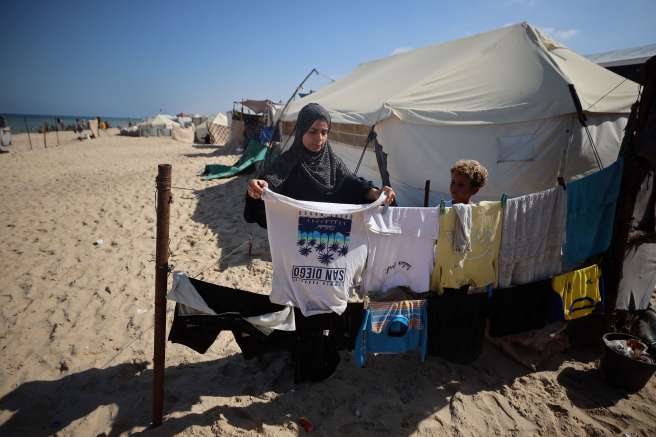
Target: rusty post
(164,200)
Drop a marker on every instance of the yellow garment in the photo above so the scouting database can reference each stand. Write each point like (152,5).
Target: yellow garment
(477,267)
(579,291)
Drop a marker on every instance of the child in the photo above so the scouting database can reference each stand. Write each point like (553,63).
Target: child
(467,177)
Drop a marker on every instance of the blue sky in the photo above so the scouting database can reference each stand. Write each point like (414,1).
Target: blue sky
(120,58)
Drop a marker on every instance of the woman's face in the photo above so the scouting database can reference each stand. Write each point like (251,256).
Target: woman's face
(461,188)
(315,137)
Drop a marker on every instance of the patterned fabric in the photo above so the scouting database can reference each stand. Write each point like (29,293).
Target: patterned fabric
(381,317)
(382,314)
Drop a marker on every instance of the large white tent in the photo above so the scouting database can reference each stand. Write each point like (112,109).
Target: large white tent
(500,97)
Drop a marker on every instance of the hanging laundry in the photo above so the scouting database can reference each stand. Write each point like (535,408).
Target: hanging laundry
(576,294)
(477,267)
(203,310)
(462,232)
(401,248)
(532,237)
(591,203)
(392,327)
(519,309)
(456,325)
(318,251)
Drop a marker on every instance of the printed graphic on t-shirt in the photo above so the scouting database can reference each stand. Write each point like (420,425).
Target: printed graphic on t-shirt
(398,265)
(324,238)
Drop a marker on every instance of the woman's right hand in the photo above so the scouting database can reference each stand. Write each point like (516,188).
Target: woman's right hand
(256,188)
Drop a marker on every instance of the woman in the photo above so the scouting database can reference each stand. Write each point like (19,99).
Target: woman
(310,171)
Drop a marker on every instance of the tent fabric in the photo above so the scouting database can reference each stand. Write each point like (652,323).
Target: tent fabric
(183,134)
(258,106)
(255,152)
(630,56)
(509,75)
(218,129)
(499,97)
(162,120)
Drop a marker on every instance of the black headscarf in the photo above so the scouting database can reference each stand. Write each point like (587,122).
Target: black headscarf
(323,169)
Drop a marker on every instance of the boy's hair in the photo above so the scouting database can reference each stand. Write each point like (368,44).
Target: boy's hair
(476,173)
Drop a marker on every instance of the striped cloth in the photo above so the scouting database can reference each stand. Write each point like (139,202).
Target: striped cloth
(382,314)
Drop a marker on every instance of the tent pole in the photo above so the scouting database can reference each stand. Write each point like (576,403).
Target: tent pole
(164,200)
(370,138)
(584,122)
(300,85)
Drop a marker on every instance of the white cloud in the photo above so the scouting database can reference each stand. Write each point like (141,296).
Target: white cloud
(399,50)
(560,34)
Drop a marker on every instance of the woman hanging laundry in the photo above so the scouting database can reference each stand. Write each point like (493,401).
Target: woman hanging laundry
(310,171)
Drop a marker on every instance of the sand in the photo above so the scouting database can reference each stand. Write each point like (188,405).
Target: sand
(76,321)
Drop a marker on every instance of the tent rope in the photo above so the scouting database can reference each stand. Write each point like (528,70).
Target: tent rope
(606,95)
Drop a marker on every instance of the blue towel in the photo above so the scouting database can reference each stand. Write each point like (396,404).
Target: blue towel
(392,327)
(591,205)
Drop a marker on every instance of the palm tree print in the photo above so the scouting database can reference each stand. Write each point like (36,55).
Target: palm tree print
(327,237)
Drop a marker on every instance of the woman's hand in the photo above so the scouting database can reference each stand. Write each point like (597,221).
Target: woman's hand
(256,188)
(374,193)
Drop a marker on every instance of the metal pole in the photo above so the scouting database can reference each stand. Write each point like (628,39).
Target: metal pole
(28,132)
(281,113)
(164,200)
(426,192)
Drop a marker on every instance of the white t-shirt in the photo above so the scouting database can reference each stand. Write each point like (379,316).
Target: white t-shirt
(318,251)
(401,248)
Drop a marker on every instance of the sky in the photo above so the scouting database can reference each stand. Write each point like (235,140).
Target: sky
(137,58)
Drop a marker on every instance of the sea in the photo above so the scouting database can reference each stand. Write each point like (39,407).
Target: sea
(20,123)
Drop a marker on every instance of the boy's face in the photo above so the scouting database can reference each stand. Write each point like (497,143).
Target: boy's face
(461,188)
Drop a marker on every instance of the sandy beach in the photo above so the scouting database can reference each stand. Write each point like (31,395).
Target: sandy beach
(76,321)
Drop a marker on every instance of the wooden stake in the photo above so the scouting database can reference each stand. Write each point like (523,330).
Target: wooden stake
(45,132)
(57,131)
(164,200)
(28,132)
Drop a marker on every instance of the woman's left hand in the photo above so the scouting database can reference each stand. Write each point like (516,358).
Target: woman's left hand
(391,195)
(374,193)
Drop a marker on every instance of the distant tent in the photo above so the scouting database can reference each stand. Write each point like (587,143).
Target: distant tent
(157,126)
(218,129)
(500,97)
(183,134)
(625,62)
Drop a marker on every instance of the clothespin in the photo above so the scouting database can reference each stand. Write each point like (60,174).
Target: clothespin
(504,200)
(561,182)
(442,207)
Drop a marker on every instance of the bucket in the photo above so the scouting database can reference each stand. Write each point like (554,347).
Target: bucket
(620,370)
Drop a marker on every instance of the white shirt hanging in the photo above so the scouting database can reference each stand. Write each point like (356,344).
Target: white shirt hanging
(401,248)
(318,251)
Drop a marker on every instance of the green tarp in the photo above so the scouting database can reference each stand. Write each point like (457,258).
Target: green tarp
(254,152)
